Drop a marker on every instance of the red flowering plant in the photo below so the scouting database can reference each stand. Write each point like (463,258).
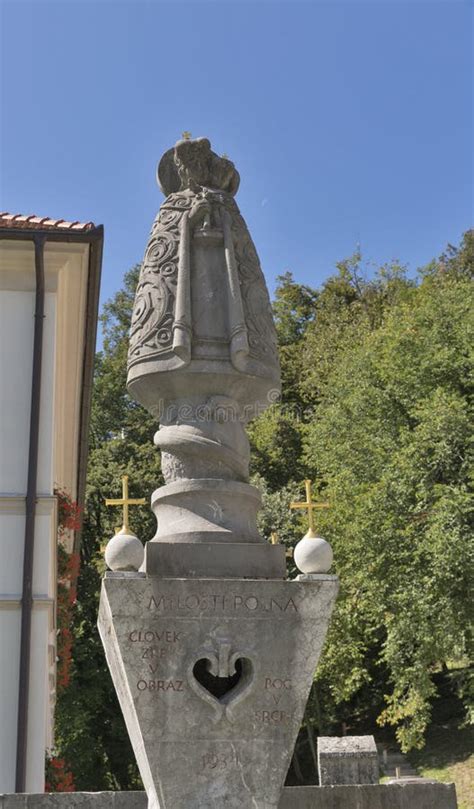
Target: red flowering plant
(58,777)
(69,519)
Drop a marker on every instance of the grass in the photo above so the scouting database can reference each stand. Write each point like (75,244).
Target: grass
(449,756)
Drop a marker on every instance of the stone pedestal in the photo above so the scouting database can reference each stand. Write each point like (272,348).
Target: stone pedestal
(207,528)
(347,760)
(213,677)
(215,559)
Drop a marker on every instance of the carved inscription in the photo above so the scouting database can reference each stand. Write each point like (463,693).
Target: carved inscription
(155,646)
(222,604)
(149,636)
(276,688)
(158,644)
(160,685)
(219,761)
(152,652)
(275,717)
(277,683)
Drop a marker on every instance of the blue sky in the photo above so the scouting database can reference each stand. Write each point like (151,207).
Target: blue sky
(350,122)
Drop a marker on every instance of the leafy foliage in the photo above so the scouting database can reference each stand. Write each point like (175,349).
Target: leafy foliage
(392,439)
(378,394)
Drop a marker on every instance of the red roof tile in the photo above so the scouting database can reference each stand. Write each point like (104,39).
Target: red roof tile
(33,222)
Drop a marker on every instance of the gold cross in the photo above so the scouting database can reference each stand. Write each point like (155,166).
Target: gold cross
(275,541)
(186,135)
(125,501)
(310,506)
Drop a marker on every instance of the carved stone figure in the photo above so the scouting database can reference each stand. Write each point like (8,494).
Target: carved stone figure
(201,302)
(212,652)
(203,356)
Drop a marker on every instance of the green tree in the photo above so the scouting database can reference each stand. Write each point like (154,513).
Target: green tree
(392,438)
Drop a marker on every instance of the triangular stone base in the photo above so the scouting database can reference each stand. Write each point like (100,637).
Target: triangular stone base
(219,732)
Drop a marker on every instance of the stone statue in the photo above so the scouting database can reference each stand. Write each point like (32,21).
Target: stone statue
(203,355)
(211,650)
(201,303)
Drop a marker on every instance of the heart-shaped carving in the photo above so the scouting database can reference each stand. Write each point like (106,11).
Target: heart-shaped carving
(219,687)
(221,679)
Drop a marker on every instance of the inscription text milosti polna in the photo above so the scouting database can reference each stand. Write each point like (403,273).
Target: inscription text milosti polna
(220,604)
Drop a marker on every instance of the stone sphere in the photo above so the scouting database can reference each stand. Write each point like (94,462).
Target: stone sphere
(124,552)
(313,555)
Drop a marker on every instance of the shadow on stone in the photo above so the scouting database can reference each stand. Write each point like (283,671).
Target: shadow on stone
(217,686)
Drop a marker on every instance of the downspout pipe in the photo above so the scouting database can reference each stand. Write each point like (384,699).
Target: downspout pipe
(31,494)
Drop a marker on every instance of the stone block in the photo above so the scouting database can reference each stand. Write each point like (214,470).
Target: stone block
(426,795)
(215,560)
(212,676)
(419,795)
(347,760)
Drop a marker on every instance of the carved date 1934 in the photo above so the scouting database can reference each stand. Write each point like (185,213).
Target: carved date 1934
(219,761)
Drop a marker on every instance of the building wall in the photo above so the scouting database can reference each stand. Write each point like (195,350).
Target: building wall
(61,377)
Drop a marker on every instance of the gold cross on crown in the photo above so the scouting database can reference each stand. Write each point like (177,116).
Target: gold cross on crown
(125,501)
(186,135)
(310,506)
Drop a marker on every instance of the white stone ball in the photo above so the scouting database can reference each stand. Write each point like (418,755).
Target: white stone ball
(313,555)
(124,552)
